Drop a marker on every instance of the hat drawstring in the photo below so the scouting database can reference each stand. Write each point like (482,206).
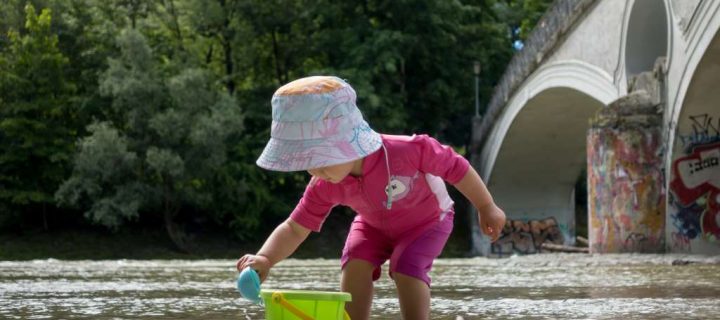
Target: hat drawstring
(388,188)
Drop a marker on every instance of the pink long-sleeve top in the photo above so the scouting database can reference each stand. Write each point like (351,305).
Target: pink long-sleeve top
(418,165)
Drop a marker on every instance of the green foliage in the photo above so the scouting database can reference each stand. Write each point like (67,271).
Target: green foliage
(36,133)
(103,178)
(521,15)
(410,61)
(130,109)
(167,143)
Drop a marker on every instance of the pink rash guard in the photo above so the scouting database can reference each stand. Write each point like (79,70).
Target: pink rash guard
(418,165)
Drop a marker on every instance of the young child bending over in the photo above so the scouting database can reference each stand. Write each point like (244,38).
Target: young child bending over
(395,184)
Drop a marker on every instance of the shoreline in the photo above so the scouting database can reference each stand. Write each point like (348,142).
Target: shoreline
(151,244)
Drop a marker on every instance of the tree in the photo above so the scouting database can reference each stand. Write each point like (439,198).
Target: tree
(164,151)
(520,16)
(36,118)
(186,60)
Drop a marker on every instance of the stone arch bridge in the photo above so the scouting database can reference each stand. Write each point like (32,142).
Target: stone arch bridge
(618,98)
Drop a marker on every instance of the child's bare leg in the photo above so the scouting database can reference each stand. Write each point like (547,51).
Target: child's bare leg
(357,280)
(414,295)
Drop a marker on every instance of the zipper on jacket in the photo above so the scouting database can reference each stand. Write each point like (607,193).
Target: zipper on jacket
(373,206)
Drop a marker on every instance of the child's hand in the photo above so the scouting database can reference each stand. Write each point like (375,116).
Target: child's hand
(259,263)
(492,221)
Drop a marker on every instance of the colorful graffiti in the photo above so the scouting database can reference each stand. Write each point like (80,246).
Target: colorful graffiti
(704,129)
(626,198)
(526,237)
(696,193)
(694,218)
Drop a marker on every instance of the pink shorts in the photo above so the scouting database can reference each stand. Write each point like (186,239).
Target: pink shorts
(412,257)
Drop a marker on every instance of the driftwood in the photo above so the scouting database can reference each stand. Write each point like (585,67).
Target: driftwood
(582,241)
(562,248)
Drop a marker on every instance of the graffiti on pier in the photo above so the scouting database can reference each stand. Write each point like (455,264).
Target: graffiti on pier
(635,240)
(696,193)
(526,237)
(626,198)
(704,129)
(686,220)
(680,242)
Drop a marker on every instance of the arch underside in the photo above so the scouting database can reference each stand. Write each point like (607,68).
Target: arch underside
(537,167)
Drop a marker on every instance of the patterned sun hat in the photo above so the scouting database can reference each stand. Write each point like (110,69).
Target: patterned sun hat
(315,123)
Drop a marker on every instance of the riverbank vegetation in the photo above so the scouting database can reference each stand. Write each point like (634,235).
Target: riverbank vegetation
(129,115)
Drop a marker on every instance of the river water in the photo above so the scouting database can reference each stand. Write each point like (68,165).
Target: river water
(546,286)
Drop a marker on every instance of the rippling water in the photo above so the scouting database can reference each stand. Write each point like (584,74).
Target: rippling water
(547,286)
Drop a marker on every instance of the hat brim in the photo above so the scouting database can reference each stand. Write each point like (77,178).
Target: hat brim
(299,155)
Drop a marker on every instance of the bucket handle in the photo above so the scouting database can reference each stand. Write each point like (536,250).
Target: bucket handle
(279,298)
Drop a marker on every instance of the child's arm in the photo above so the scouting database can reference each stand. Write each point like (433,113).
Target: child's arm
(492,218)
(279,245)
(442,161)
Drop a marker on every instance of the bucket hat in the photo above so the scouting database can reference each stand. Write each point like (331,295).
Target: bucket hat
(316,123)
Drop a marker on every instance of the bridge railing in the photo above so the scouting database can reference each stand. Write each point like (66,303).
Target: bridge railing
(544,37)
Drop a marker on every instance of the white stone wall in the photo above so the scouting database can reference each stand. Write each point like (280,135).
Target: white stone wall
(684,10)
(597,39)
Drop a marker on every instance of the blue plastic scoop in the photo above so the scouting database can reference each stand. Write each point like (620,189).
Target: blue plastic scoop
(248,284)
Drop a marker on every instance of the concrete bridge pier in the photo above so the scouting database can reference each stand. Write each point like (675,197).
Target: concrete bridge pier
(626,197)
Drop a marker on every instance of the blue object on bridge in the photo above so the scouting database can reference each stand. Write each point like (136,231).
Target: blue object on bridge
(518,45)
(248,284)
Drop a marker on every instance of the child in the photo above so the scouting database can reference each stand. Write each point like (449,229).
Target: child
(394,183)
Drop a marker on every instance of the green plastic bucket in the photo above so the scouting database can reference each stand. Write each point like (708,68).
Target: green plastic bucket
(304,305)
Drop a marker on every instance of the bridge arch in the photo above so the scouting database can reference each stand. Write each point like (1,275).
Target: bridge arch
(537,149)
(693,160)
(585,55)
(573,75)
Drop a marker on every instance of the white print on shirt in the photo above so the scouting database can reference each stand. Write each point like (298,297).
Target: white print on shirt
(396,187)
(401,186)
